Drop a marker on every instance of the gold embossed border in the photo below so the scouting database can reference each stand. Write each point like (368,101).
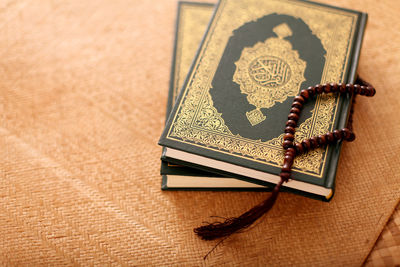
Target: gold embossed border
(197,122)
(192,23)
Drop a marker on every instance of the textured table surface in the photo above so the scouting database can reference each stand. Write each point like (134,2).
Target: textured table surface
(83,87)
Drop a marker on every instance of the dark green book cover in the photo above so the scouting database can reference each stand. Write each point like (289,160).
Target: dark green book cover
(255,57)
(191,24)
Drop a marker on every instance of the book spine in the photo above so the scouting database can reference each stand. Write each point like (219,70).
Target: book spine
(346,104)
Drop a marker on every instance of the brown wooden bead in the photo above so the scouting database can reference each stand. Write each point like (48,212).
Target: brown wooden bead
(295,110)
(287,144)
(321,140)
(337,134)
(299,98)
(290,129)
(330,137)
(286,167)
(306,144)
(297,104)
(288,157)
(291,123)
(352,137)
(319,89)
(357,88)
(285,176)
(299,148)
(311,91)
(371,91)
(288,136)
(288,160)
(305,149)
(327,88)
(342,88)
(363,90)
(293,116)
(304,94)
(345,133)
(291,151)
(313,142)
(350,88)
(334,87)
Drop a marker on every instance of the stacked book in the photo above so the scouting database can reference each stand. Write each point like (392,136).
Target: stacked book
(236,68)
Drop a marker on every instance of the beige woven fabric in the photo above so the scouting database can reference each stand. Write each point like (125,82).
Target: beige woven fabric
(386,251)
(82,102)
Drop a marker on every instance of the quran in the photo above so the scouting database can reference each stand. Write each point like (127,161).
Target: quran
(192,21)
(231,111)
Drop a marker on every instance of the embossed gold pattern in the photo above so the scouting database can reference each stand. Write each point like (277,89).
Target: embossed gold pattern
(269,72)
(323,22)
(255,116)
(192,22)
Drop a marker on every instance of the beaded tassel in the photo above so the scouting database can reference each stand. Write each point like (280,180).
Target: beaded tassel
(236,224)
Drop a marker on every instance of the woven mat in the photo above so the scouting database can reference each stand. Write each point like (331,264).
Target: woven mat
(386,251)
(82,102)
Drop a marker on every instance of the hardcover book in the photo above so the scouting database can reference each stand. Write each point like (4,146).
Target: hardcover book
(192,21)
(255,57)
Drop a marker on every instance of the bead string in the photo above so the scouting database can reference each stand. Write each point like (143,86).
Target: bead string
(294,149)
(233,225)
